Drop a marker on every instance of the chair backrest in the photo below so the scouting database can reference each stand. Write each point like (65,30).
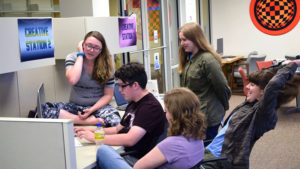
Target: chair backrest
(40,100)
(252,53)
(264,64)
(292,57)
(120,100)
(245,81)
(252,59)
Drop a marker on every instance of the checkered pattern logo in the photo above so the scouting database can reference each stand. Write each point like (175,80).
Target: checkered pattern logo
(274,17)
(153,16)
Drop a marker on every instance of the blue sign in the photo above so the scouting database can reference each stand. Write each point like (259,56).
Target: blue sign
(36,39)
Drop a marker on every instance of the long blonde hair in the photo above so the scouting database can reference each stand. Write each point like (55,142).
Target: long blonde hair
(104,66)
(193,32)
(187,120)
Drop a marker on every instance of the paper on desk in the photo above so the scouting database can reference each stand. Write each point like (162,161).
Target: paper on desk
(77,143)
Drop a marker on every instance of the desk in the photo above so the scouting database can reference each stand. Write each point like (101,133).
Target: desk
(231,59)
(227,64)
(86,154)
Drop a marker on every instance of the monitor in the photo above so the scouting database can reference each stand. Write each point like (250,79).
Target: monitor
(220,46)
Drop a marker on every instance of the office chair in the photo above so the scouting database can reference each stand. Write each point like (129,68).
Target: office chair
(249,66)
(287,57)
(203,161)
(120,100)
(245,80)
(297,108)
(264,64)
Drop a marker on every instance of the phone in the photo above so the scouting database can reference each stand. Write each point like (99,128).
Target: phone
(82,112)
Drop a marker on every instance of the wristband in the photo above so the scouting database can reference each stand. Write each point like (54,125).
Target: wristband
(82,54)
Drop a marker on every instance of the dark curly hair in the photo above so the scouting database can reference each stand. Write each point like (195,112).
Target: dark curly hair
(132,72)
(187,120)
(291,88)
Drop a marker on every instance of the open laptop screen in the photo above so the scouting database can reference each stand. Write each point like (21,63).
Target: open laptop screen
(40,100)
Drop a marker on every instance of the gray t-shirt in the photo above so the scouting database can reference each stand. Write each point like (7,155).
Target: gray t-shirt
(86,92)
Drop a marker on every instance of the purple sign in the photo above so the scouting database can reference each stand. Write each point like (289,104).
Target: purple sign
(127,32)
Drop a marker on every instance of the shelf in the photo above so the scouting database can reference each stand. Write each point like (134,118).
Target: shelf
(23,11)
(29,8)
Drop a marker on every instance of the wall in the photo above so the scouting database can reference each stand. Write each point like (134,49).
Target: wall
(18,90)
(231,20)
(72,8)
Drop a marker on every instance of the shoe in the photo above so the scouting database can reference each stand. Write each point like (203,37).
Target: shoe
(32,114)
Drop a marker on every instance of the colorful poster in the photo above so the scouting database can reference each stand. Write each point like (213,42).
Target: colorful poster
(35,38)
(127,32)
(275,17)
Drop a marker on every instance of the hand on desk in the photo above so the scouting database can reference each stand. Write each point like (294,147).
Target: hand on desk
(86,133)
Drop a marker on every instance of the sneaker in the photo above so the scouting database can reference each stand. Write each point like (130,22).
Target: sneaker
(32,114)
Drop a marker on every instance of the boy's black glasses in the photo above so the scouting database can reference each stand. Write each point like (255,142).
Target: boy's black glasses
(125,85)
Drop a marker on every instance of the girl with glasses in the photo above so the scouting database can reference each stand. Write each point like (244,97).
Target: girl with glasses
(90,72)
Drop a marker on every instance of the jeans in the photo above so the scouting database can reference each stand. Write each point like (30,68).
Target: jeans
(211,132)
(108,158)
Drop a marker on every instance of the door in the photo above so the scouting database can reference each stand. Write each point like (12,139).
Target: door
(151,49)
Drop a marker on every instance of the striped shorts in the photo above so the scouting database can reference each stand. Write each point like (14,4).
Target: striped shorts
(108,113)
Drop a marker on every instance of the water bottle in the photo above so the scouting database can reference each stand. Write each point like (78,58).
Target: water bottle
(99,134)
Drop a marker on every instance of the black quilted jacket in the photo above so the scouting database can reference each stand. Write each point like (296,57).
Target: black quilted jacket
(251,120)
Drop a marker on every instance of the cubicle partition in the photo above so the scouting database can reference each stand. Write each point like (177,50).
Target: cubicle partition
(10,49)
(19,81)
(37,143)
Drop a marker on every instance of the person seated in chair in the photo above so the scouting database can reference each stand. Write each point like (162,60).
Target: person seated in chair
(143,121)
(182,149)
(267,90)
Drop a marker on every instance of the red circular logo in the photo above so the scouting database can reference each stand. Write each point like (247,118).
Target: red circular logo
(275,17)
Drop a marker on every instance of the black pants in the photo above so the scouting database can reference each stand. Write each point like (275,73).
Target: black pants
(213,164)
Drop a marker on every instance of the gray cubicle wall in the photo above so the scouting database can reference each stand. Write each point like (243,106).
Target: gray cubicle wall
(18,89)
(109,27)
(37,144)
(69,31)
(12,94)
(10,50)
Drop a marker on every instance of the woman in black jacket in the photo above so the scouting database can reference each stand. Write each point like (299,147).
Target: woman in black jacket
(267,90)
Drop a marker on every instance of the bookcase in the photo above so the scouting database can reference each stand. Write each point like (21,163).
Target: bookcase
(29,8)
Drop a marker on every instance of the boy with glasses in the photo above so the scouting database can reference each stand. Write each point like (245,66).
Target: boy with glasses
(143,121)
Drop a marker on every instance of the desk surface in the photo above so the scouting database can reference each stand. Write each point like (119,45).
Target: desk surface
(231,59)
(86,154)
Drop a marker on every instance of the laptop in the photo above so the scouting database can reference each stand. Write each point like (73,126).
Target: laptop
(40,100)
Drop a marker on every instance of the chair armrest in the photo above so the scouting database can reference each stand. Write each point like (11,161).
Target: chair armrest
(212,159)
(128,153)
(198,165)
(207,142)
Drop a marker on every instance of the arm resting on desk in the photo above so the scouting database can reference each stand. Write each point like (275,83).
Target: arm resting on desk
(128,139)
